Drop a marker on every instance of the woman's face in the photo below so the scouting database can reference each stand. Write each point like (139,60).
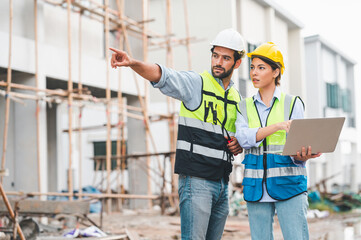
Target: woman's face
(262,74)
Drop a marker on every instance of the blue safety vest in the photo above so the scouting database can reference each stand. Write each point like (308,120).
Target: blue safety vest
(264,164)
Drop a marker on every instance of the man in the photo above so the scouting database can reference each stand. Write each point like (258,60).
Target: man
(206,122)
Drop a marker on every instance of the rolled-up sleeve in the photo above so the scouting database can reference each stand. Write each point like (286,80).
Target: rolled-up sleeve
(185,86)
(246,136)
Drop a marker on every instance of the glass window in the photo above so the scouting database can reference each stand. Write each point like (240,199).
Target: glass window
(346,100)
(100,150)
(251,47)
(332,95)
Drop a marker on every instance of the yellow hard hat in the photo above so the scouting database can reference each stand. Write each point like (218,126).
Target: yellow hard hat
(271,51)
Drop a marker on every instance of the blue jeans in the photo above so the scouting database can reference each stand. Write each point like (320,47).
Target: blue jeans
(203,207)
(292,216)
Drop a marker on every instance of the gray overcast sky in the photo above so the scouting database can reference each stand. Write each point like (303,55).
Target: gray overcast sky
(338,21)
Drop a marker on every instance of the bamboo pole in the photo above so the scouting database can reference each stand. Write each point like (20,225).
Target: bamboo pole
(170,101)
(186,19)
(11,212)
(57,92)
(8,89)
(70,103)
(114,20)
(121,150)
(19,95)
(37,86)
(108,96)
(146,96)
(92,195)
(80,87)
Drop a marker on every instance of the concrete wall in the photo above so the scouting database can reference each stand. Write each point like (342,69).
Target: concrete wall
(53,63)
(21,141)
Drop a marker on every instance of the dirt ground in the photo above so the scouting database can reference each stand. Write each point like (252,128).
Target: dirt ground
(153,226)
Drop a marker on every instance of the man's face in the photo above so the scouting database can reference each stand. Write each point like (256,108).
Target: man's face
(222,62)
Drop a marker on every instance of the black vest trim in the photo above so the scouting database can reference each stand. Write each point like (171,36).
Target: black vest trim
(219,97)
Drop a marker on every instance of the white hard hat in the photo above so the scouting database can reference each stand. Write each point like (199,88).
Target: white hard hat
(230,38)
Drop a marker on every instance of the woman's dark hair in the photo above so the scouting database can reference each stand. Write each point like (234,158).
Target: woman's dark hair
(273,65)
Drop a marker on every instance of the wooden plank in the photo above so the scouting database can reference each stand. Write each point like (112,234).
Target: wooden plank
(132,235)
(115,237)
(47,207)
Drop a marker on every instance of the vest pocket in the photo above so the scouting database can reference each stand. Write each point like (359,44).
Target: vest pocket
(283,159)
(249,182)
(288,180)
(250,159)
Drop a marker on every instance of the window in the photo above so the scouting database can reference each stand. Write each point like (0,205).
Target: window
(346,100)
(100,150)
(332,95)
(251,47)
(338,98)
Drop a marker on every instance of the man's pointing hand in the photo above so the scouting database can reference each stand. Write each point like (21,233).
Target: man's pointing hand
(120,59)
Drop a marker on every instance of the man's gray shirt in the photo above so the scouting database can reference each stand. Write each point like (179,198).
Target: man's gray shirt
(185,86)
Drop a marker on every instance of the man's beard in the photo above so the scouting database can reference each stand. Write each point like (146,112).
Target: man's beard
(224,74)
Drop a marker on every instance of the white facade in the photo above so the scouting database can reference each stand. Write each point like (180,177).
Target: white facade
(331,93)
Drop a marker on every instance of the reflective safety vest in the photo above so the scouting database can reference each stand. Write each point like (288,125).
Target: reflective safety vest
(201,147)
(283,178)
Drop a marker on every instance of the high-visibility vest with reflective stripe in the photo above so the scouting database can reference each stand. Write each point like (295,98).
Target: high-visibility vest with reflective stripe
(282,177)
(201,147)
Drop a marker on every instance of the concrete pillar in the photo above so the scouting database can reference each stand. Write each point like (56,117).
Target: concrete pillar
(296,68)
(8,182)
(52,149)
(25,144)
(138,180)
(270,23)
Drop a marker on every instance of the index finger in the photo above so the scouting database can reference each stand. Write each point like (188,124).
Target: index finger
(309,152)
(115,50)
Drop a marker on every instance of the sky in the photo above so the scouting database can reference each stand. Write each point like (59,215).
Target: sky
(338,22)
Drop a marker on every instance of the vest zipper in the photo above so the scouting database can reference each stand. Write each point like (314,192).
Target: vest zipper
(265,149)
(264,162)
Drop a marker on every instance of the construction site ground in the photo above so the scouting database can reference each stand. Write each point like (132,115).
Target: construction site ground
(150,225)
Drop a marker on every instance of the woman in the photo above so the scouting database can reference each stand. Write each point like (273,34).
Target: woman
(272,182)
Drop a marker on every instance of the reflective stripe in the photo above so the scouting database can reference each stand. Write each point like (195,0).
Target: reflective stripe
(276,172)
(286,171)
(209,152)
(199,124)
(183,145)
(201,150)
(287,107)
(243,109)
(275,149)
(253,173)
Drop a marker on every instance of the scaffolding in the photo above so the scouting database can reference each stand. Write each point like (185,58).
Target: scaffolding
(114,20)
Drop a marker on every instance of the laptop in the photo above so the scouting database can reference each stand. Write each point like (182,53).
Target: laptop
(320,133)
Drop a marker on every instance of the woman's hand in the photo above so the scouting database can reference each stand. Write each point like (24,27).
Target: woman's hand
(284,125)
(303,156)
